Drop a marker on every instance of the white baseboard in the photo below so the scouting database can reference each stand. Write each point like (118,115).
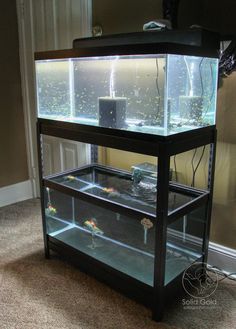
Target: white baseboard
(222,257)
(16,193)
(218,255)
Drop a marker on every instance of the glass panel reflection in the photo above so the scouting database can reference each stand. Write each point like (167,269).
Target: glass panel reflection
(186,235)
(119,241)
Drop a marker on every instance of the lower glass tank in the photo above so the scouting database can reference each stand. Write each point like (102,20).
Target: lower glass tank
(122,242)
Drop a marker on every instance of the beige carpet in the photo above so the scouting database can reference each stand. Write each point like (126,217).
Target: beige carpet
(37,293)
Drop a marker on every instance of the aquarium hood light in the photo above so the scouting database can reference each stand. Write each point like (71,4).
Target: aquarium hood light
(193,42)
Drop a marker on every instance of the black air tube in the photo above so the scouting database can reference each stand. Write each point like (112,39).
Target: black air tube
(170,11)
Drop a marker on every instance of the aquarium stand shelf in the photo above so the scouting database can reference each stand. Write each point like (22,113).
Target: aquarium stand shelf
(148,144)
(90,182)
(141,271)
(118,110)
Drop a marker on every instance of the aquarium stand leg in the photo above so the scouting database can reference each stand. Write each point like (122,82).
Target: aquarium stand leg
(157,313)
(47,254)
(46,250)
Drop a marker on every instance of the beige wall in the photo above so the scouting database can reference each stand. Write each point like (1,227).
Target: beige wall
(220,16)
(224,209)
(13,159)
(128,16)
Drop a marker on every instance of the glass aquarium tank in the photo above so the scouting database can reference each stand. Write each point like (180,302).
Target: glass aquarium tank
(120,241)
(158,94)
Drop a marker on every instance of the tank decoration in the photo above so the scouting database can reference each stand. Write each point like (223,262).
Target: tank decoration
(112,112)
(137,176)
(50,210)
(144,182)
(147,224)
(91,225)
(111,191)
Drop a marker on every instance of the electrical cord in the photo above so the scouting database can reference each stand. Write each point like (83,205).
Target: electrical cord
(219,271)
(175,166)
(200,74)
(210,268)
(170,11)
(188,73)
(157,77)
(196,168)
(192,164)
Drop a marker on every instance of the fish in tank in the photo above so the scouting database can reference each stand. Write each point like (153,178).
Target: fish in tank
(154,94)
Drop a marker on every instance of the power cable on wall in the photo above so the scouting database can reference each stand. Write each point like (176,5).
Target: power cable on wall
(197,166)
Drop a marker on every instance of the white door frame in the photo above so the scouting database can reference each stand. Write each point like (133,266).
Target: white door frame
(26,50)
(27,47)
